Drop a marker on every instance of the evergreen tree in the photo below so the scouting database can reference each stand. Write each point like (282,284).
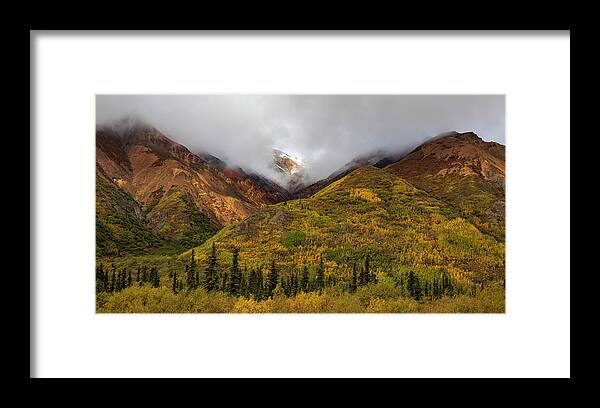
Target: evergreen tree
(258,285)
(244,286)
(118,281)
(191,278)
(368,275)
(320,277)
(111,285)
(294,284)
(186,273)
(224,282)
(137,277)
(353,281)
(252,282)
(174,285)
(210,276)
(272,278)
(156,278)
(283,283)
(129,279)
(100,279)
(235,281)
(362,278)
(304,279)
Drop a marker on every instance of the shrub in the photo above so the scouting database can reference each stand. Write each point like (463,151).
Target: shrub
(293,239)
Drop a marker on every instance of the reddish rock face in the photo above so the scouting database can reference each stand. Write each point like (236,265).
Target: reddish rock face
(457,153)
(147,164)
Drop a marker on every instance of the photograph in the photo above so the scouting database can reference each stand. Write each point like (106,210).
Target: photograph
(294,203)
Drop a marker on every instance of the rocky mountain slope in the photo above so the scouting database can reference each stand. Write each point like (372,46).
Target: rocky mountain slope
(466,172)
(180,195)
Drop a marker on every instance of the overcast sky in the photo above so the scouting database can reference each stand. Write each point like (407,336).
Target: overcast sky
(325,131)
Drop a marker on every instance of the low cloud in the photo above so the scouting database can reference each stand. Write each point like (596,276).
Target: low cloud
(326,131)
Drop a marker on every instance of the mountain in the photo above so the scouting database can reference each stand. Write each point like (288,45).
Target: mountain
(416,232)
(290,169)
(371,211)
(466,172)
(379,158)
(178,195)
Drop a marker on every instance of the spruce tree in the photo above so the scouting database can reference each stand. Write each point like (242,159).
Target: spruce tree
(111,284)
(224,281)
(320,277)
(190,278)
(272,278)
(294,284)
(252,282)
(259,292)
(174,285)
(368,275)
(304,279)
(353,279)
(362,278)
(210,276)
(100,279)
(236,274)
(244,284)
(129,280)
(156,278)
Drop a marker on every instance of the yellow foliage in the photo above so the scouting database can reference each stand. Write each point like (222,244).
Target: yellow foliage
(244,305)
(306,303)
(365,194)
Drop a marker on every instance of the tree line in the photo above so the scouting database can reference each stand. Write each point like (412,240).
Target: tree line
(115,281)
(235,281)
(238,281)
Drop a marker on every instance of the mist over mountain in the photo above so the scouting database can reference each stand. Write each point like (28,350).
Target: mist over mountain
(325,132)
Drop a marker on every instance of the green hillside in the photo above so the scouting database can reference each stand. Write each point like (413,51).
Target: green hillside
(121,228)
(170,225)
(370,211)
(478,200)
(176,218)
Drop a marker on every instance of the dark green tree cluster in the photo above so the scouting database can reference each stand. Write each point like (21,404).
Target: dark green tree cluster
(320,277)
(113,281)
(431,287)
(211,278)
(304,280)
(290,284)
(192,273)
(254,283)
(365,276)
(272,278)
(235,280)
